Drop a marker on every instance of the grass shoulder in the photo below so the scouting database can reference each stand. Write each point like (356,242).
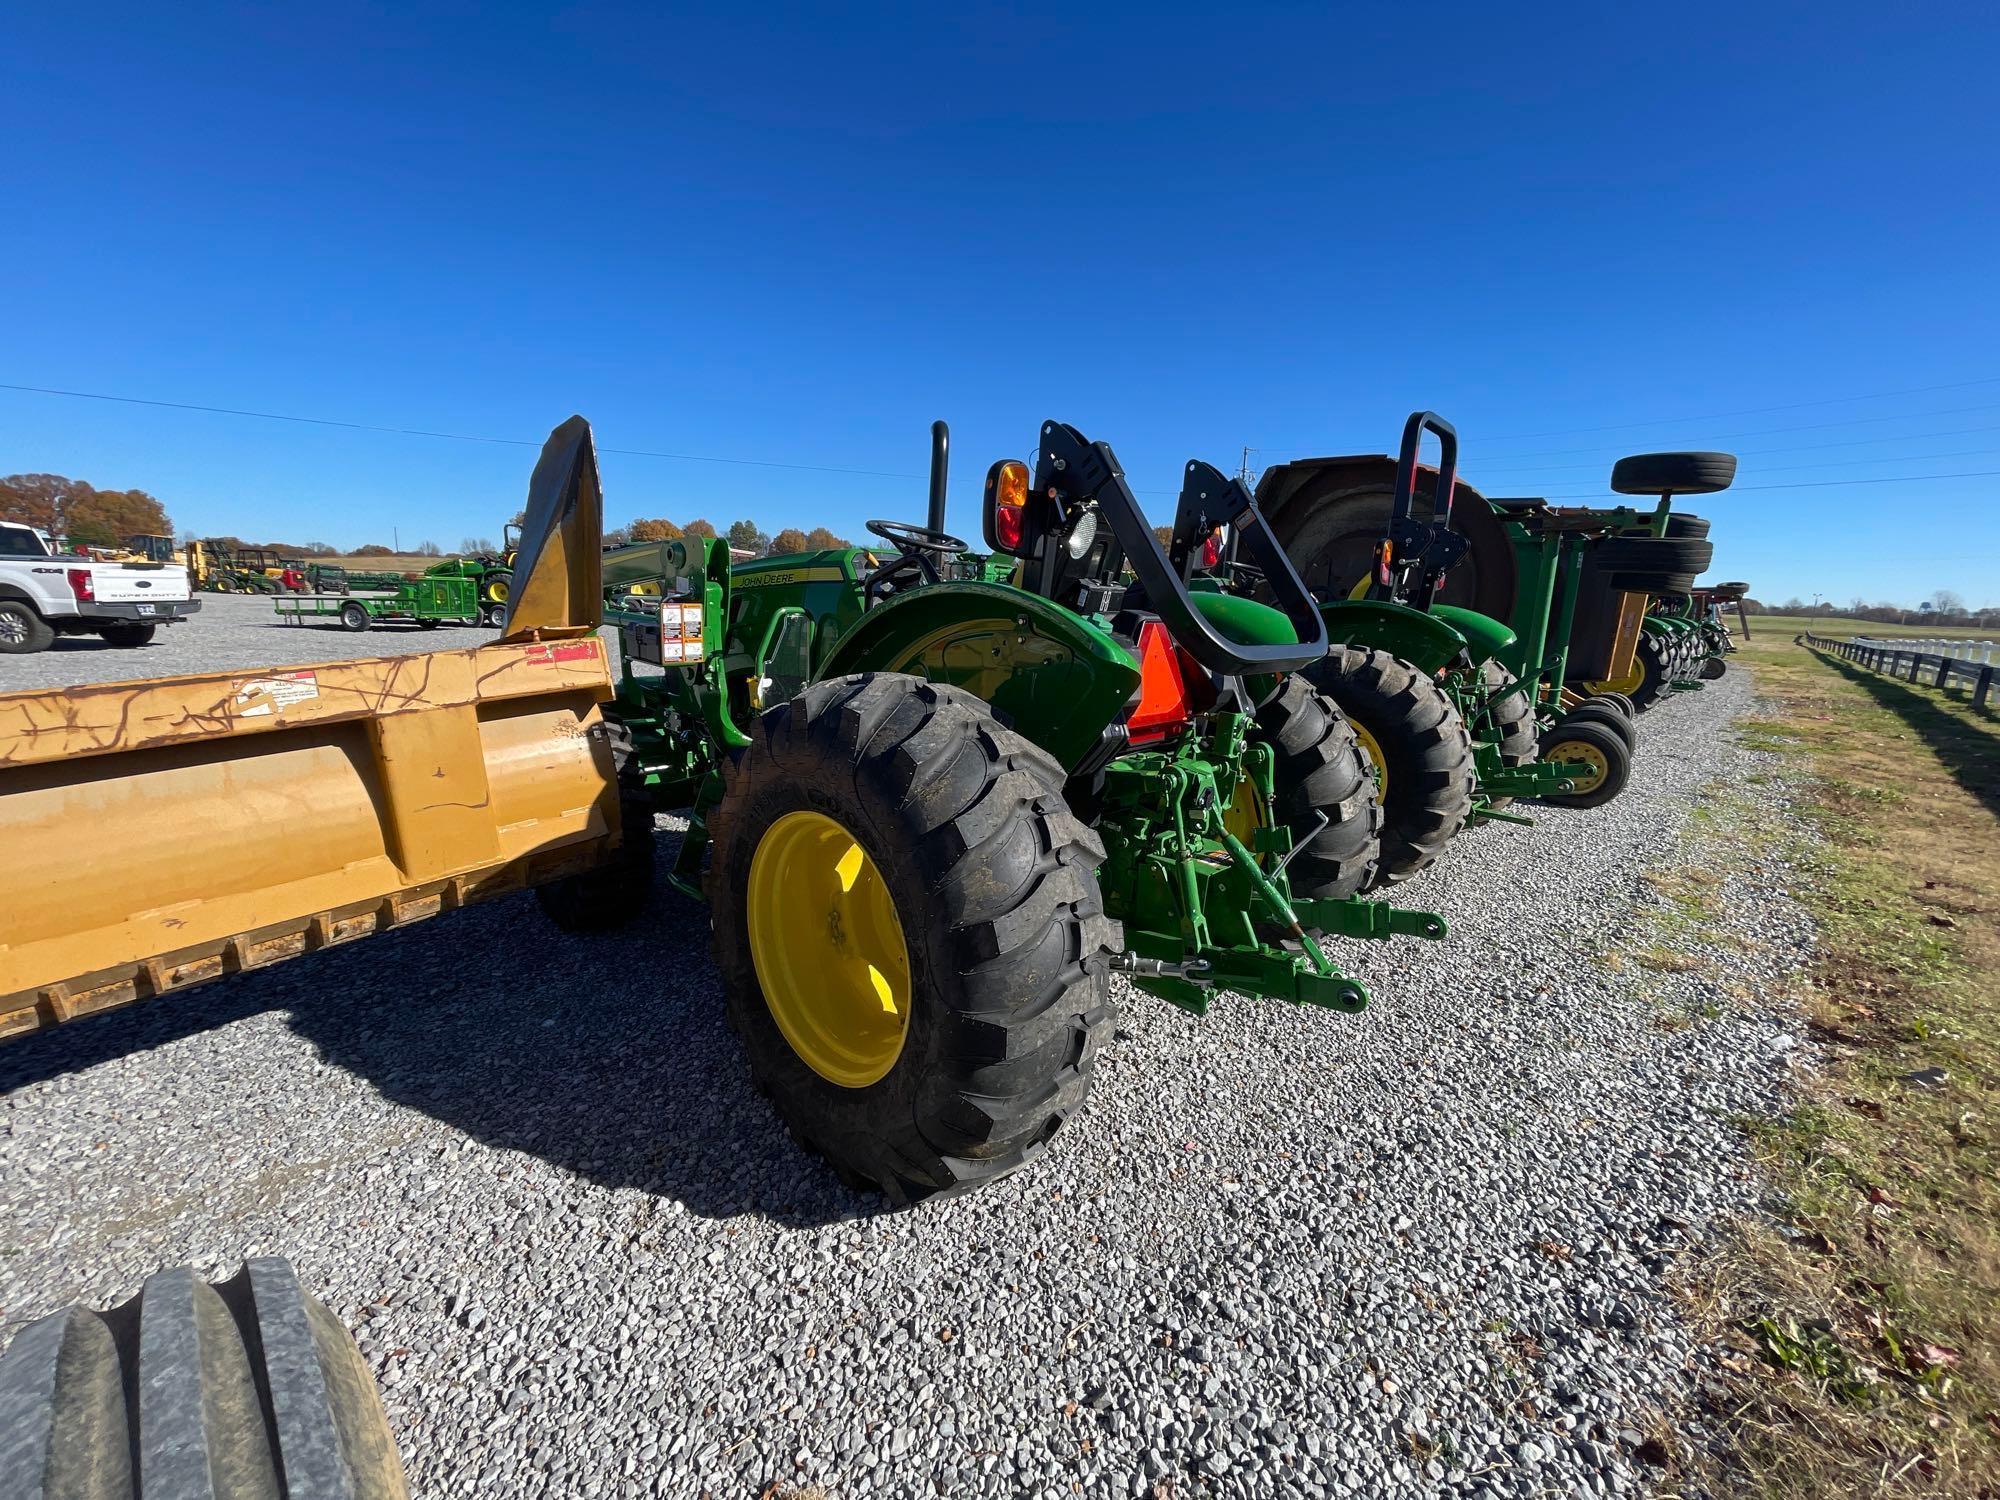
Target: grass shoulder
(1858,1328)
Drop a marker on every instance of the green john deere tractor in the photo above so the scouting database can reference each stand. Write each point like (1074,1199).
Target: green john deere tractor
(933,812)
(1453,613)
(492,575)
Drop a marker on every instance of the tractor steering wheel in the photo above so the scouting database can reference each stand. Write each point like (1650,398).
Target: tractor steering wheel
(909,537)
(916,565)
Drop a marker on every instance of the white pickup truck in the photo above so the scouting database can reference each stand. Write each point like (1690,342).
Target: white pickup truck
(44,594)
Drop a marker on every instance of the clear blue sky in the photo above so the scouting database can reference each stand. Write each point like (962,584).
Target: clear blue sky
(799,235)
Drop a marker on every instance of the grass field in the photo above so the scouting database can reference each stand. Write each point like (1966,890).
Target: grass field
(1864,1320)
(1788,626)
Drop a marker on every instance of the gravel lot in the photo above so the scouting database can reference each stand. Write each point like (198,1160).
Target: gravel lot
(232,630)
(1416,1251)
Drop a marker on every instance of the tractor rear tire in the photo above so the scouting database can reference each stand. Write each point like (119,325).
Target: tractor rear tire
(1320,767)
(1512,719)
(992,881)
(613,894)
(1425,779)
(249,1381)
(1656,671)
(1602,753)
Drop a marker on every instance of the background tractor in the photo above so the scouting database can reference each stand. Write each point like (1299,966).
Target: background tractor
(1510,607)
(492,575)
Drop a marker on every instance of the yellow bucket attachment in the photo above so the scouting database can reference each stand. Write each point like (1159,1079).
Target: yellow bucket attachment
(162,833)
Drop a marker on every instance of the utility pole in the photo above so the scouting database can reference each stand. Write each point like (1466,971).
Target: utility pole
(395,540)
(1243,473)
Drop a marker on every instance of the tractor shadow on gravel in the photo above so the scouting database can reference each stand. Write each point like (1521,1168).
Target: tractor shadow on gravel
(607,1057)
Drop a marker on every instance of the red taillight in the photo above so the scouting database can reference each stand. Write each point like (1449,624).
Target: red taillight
(1007,503)
(83,585)
(1163,694)
(1211,550)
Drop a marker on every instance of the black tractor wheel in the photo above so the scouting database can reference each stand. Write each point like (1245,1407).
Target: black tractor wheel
(1655,668)
(428,624)
(1418,749)
(1619,701)
(1604,713)
(1598,755)
(22,630)
(1510,718)
(613,894)
(1673,473)
(496,616)
(245,1387)
(912,942)
(1713,667)
(126,635)
(1681,524)
(1320,768)
(353,617)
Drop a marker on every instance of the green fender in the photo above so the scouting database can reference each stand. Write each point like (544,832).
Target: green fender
(1056,677)
(1663,625)
(1485,637)
(1429,642)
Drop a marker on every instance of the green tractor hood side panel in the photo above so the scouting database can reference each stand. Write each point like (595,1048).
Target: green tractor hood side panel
(1427,642)
(1059,679)
(1484,635)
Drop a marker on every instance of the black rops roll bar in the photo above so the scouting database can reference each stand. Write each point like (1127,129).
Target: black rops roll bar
(1071,464)
(1423,550)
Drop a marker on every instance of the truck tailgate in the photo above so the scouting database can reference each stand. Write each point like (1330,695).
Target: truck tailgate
(161,833)
(136,583)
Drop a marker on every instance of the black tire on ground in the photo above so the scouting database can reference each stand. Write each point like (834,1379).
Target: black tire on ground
(1320,767)
(1713,667)
(1605,713)
(1657,669)
(1619,701)
(1673,473)
(250,1379)
(127,635)
(353,616)
(1597,746)
(1427,780)
(428,624)
(994,882)
(613,894)
(1511,719)
(496,616)
(22,630)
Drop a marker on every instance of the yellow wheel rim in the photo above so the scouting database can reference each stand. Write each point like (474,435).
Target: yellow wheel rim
(1629,684)
(1592,763)
(496,590)
(829,950)
(1377,762)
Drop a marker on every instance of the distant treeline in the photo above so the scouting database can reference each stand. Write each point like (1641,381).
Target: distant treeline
(1943,608)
